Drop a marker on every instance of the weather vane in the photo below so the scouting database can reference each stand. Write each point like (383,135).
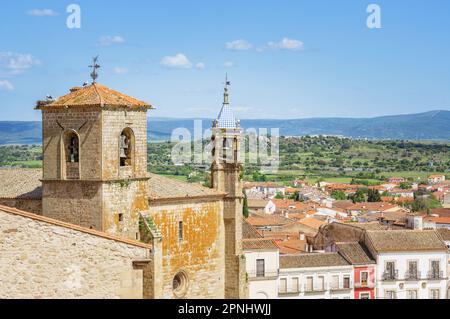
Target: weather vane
(94,66)
(227,83)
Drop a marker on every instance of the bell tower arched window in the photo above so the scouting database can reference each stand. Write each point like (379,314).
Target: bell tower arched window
(126,148)
(71,155)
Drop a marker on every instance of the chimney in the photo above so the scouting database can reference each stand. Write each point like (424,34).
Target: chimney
(302,236)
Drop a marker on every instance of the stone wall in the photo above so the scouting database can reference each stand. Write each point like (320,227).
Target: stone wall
(114,122)
(29,205)
(87,123)
(200,255)
(128,198)
(75,202)
(41,258)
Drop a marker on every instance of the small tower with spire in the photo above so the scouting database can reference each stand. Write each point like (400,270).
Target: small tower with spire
(226,172)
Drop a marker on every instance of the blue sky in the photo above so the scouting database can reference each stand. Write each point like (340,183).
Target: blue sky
(286,59)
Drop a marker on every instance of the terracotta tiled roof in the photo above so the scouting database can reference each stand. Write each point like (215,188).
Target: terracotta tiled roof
(406,240)
(354,253)
(311,222)
(441,212)
(312,260)
(259,244)
(439,220)
(257,203)
(95,95)
(161,187)
(377,206)
(291,246)
(25,183)
(249,232)
(268,221)
(342,204)
(20,183)
(55,222)
(445,233)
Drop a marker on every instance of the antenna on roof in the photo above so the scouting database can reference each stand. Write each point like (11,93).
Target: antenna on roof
(94,66)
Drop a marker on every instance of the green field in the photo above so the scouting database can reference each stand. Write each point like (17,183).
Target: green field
(331,159)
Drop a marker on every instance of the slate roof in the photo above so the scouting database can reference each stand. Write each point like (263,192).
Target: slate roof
(354,253)
(95,95)
(312,260)
(20,183)
(226,118)
(406,240)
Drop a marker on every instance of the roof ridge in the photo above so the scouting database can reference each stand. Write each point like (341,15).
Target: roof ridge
(98,94)
(55,222)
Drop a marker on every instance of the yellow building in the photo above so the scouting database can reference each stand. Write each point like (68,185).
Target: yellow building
(94,183)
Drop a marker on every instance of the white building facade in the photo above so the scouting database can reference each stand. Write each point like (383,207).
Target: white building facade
(262,265)
(410,264)
(315,276)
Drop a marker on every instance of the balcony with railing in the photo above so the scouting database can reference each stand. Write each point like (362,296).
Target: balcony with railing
(262,275)
(341,287)
(288,292)
(435,275)
(364,284)
(390,275)
(412,275)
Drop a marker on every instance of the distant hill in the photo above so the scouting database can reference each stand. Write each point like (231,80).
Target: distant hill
(434,125)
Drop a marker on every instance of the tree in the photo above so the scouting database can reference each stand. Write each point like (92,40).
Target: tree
(405,185)
(373,196)
(245,210)
(338,195)
(279,195)
(359,197)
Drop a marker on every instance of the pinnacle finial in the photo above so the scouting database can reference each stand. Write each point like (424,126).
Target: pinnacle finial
(94,66)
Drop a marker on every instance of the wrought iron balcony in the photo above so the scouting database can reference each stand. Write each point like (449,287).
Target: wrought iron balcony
(435,275)
(390,275)
(412,275)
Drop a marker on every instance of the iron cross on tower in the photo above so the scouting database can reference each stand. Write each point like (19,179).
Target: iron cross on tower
(94,66)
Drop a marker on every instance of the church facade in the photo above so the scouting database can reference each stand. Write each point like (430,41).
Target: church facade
(184,240)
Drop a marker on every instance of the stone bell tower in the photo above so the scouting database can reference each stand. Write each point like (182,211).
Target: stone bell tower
(95,158)
(226,170)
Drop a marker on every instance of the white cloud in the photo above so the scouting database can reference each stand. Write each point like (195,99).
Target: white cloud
(16,63)
(42,13)
(287,44)
(109,40)
(178,61)
(200,65)
(238,45)
(5,85)
(228,64)
(120,70)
